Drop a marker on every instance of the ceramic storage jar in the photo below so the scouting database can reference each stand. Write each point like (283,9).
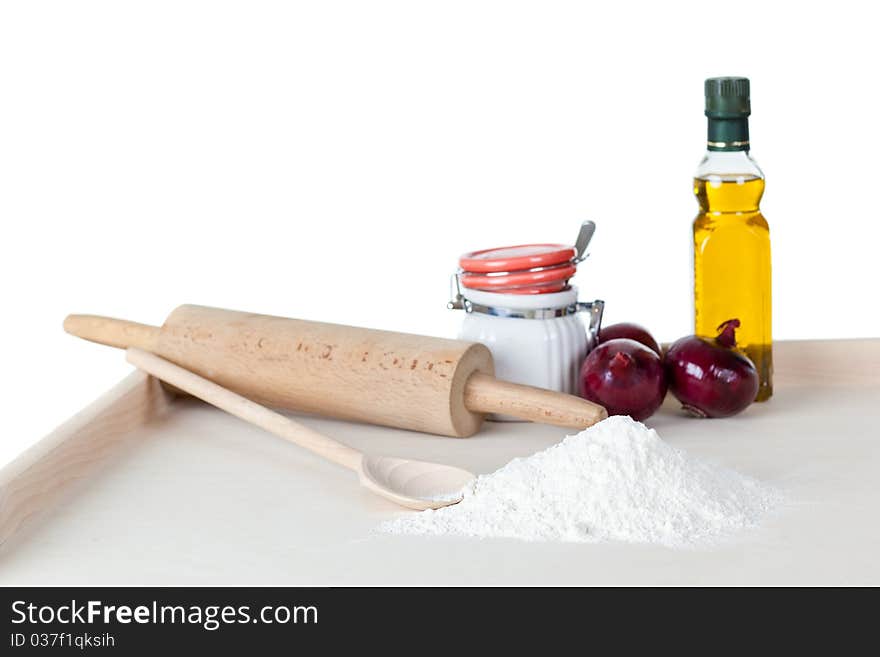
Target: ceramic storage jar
(519,303)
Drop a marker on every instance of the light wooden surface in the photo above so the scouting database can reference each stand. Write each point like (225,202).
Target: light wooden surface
(195,496)
(413,484)
(394,379)
(40,477)
(829,363)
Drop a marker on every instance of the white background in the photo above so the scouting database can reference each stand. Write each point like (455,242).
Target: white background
(330,160)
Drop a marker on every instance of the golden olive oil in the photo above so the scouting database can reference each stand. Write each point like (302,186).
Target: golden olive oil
(731,236)
(732,277)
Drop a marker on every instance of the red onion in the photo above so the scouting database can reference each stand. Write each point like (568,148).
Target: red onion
(709,377)
(629,330)
(625,377)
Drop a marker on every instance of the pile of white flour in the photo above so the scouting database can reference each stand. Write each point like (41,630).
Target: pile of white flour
(615,481)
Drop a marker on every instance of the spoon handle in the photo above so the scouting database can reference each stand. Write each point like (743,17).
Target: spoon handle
(244,408)
(583,240)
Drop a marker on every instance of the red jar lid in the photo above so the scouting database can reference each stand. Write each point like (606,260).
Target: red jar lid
(516,258)
(530,281)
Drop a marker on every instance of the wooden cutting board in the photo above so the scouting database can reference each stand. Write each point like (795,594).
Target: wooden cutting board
(179,493)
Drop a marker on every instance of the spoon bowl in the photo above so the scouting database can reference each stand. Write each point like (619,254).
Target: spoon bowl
(414,484)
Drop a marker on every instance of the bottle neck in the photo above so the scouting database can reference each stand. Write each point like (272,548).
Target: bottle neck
(728,165)
(729,182)
(728,134)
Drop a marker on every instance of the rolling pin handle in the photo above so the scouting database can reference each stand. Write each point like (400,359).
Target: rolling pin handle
(112,332)
(486,394)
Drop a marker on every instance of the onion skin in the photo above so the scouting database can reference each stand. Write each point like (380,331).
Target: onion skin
(709,377)
(629,330)
(625,377)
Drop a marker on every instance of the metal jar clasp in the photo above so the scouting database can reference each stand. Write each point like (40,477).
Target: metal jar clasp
(595,308)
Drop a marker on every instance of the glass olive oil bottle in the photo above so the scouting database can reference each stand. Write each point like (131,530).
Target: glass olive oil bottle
(731,236)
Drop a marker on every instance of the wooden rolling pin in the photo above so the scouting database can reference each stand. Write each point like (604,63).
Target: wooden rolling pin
(394,379)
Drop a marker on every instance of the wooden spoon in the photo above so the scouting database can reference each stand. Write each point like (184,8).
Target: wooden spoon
(413,484)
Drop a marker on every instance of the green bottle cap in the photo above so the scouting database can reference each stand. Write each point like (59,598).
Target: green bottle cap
(727,98)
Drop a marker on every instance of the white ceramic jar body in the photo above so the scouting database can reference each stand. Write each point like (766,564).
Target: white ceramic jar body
(545,352)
